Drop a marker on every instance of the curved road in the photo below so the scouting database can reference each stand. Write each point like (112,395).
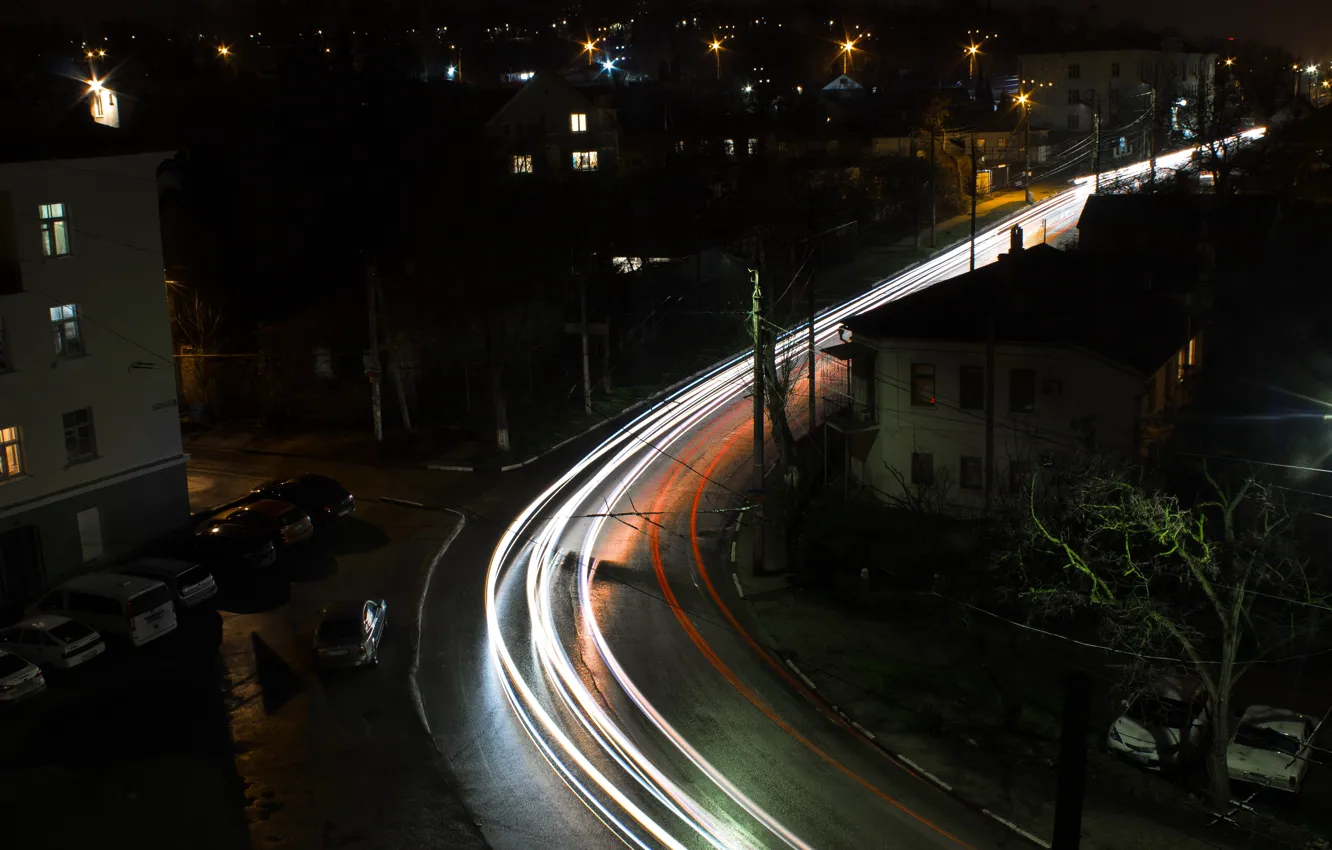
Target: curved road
(615,666)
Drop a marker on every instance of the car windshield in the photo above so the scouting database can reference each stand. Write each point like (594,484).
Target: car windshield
(11,664)
(191,575)
(1263,738)
(69,631)
(340,629)
(149,600)
(1160,711)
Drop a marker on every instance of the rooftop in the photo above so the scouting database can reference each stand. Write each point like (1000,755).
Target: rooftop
(1119,307)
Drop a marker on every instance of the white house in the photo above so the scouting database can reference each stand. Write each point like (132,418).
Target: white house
(90,454)
(1069,89)
(1085,355)
(550,128)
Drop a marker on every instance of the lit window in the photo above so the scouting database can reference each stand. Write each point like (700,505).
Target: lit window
(65,329)
(585,160)
(522,163)
(11,453)
(728,146)
(1188,358)
(679,146)
(578,122)
(55,229)
(753,147)
(1074,72)
(79,443)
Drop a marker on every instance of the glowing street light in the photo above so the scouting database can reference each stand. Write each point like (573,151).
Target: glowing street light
(94,85)
(716,48)
(747,88)
(848,46)
(590,48)
(1312,69)
(1230,61)
(223,51)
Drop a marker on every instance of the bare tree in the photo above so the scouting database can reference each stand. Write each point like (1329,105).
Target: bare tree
(1206,588)
(196,330)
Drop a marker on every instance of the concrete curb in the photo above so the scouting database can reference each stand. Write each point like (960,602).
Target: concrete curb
(871,739)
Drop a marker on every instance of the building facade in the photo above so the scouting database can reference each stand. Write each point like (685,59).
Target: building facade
(1069,90)
(1100,369)
(550,129)
(91,466)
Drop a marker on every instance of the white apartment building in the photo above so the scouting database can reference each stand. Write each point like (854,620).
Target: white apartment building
(1068,88)
(91,465)
(1097,369)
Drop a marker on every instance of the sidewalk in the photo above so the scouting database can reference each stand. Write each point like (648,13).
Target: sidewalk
(910,677)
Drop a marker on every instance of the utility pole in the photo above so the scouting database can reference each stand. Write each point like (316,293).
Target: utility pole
(813,359)
(757,307)
(582,321)
(1026,148)
(1071,787)
(973,201)
(1153,137)
(1096,139)
(989,403)
(934,213)
(395,351)
(373,369)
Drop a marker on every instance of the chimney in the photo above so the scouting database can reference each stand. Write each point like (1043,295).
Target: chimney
(1015,240)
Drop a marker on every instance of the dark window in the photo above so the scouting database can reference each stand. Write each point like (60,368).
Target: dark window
(149,600)
(1022,390)
(922,469)
(973,473)
(1073,122)
(1019,475)
(91,603)
(1074,97)
(1114,69)
(11,664)
(971,387)
(70,631)
(194,575)
(340,629)
(922,384)
(79,443)
(1074,72)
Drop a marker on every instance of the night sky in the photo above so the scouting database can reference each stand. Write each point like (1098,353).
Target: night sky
(1302,26)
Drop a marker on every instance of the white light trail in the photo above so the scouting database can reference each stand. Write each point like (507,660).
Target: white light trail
(536,542)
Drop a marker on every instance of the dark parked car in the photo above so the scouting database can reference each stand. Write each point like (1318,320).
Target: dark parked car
(348,635)
(191,585)
(284,523)
(318,495)
(233,551)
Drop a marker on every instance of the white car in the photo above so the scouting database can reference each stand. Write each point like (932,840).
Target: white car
(1160,724)
(52,640)
(19,678)
(1272,747)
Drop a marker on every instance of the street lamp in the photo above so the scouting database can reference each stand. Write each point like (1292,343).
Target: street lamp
(1230,61)
(716,48)
(223,51)
(590,48)
(1024,100)
(848,46)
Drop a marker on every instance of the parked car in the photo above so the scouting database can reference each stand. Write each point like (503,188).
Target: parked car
(285,523)
(140,609)
(349,634)
(1272,747)
(19,678)
(52,640)
(233,550)
(1160,724)
(318,495)
(190,584)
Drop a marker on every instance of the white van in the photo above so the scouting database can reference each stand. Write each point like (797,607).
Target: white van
(140,609)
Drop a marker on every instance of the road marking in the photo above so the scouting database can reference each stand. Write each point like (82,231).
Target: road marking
(1019,830)
(407,502)
(420,614)
(809,683)
(733,555)
(738,589)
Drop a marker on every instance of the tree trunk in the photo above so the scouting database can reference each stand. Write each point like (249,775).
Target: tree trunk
(1218,777)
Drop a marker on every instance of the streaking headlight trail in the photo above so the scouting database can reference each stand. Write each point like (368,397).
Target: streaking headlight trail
(537,607)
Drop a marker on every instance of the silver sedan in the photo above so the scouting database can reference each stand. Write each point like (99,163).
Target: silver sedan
(349,634)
